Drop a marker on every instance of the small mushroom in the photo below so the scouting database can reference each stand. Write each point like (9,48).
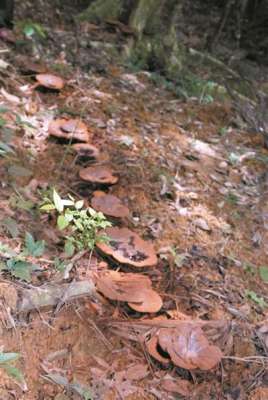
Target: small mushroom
(127,247)
(49,81)
(109,205)
(98,174)
(86,151)
(69,129)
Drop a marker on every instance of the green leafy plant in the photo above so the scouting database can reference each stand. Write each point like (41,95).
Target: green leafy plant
(256,298)
(33,247)
(5,149)
(18,265)
(264,273)
(31,29)
(82,224)
(6,363)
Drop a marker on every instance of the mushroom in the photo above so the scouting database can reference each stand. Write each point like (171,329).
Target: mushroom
(69,129)
(109,205)
(152,348)
(123,287)
(150,303)
(127,247)
(86,151)
(49,81)
(98,174)
(136,289)
(188,347)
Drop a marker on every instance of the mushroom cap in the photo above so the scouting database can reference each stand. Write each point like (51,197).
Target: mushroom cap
(136,289)
(69,129)
(109,205)
(50,81)
(127,247)
(151,346)
(98,174)
(86,150)
(188,347)
(151,302)
(123,287)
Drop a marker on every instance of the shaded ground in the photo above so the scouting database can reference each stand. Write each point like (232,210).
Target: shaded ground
(195,186)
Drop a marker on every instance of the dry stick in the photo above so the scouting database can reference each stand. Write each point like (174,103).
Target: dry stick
(252,359)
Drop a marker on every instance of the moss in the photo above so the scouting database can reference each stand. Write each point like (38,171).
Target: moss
(101,10)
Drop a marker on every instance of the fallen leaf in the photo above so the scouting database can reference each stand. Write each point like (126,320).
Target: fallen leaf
(137,372)
(179,386)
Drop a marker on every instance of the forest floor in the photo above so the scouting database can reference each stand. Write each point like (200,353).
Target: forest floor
(193,181)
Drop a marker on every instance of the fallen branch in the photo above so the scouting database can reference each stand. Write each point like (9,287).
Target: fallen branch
(51,295)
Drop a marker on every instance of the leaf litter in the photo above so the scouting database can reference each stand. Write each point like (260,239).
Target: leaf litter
(187,183)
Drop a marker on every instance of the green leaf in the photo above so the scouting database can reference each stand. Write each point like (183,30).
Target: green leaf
(5,149)
(79,204)
(6,251)
(47,207)
(67,202)
(13,372)
(8,357)
(28,30)
(21,269)
(57,201)
(62,222)
(69,248)
(256,298)
(34,248)
(264,273)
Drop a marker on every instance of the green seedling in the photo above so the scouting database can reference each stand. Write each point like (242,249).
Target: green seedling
(264,273)
(17,264)
(256,298)
(6,363)
(32,29)
(81,224)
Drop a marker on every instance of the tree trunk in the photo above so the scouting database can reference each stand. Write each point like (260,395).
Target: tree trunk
(156,23)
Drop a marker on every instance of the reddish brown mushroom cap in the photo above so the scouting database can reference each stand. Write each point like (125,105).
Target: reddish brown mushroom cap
(151,346)
(109,205)
(136,289)
(127,247)
(69,129)
(98,174)
(50,81)
(123,287)
(86,150)
(151,302)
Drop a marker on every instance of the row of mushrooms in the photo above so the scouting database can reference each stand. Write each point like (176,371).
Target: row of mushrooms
(128,248)
(124,246)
